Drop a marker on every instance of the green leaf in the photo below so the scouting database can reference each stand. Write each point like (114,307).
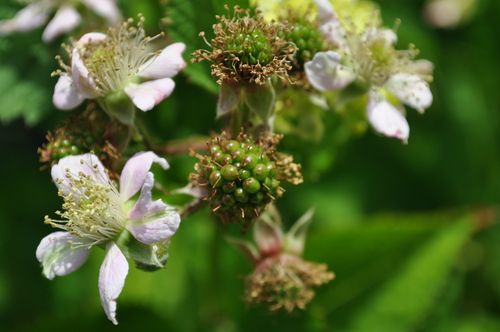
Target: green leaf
(186,19)
(405,300)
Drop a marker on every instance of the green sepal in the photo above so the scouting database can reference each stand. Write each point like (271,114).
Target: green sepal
(260,100)
(354,90)
(228,99)
(118,105)
(148,257)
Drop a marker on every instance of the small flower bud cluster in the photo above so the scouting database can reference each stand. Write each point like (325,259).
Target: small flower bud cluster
(241,176)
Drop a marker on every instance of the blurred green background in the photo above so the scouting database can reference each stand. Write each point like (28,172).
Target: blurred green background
(409,230)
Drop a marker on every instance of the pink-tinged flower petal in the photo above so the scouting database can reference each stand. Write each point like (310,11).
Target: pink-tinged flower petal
(325,73)
(90,38)
(135,171)
(30,17)
(66,97)
(385,118)
(91,165)
(84,84)
(167,64)
(159,224)
(114,270)
(268,236)
(106,9)
(411,90)
(146,95)
(57,256)
(65,20)
(330,25)
(140,208)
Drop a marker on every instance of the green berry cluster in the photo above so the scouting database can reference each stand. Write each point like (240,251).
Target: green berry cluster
(252,47)
(84,132)
(240,176)
(307,38)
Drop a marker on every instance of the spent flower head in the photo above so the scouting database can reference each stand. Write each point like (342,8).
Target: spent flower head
(370,59)
(96,213)
(66,18)
(281,278)
(246,49)
(113,68)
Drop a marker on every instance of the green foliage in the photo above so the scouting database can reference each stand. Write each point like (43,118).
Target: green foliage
(416,269)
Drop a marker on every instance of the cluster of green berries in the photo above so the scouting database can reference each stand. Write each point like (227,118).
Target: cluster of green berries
(307,38)
(240,177)
(83,132)
(252,47)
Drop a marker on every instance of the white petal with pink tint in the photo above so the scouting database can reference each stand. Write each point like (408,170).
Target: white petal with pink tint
(135,171)
(84,84)
(325,73)
(159,224)
(114,270)
(167,64)
(385,118)
(30,17)
(66,96)
(411,90)
(57,256)
(106,9)
(146,95)
(89,166)
(65,20)
(90,38)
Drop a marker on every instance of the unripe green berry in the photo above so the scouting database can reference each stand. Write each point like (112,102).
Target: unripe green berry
(251,185)
(216,179)
(229,172)
(241,195)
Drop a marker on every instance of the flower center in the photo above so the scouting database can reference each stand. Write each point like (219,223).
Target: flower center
(93,208)
(115,61)
(373,57)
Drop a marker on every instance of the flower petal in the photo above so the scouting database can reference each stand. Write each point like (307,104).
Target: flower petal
(330,25)
(30,17)
(325,73)
(140,208)
(135,171)
(411,90)
(385,118)
(65,20)
(57,256)
(159,224)
(66,97)
(146,95)
(84,84)
(106,9)
(167,64)
(90,38)
(87,163)
(114,270)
